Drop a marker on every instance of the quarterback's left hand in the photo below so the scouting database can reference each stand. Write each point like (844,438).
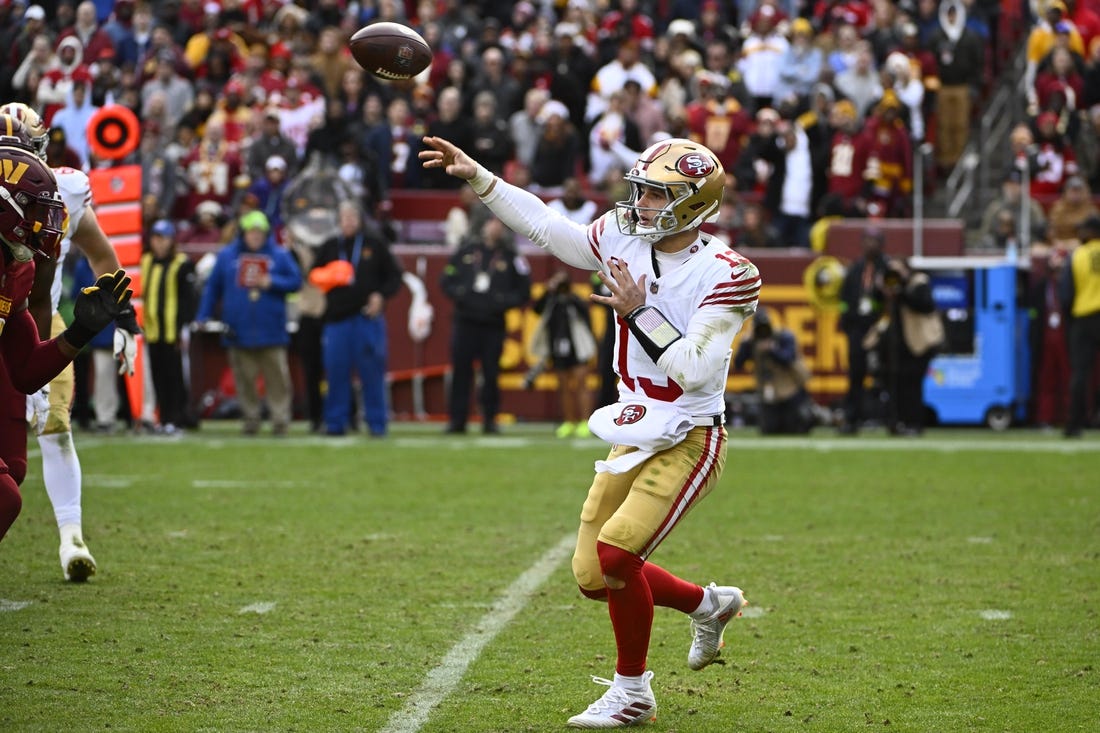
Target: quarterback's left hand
(626,293)
(125,351)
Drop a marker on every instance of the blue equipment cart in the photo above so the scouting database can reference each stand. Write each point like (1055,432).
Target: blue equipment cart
(983,374)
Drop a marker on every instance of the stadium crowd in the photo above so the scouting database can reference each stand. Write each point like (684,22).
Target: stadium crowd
(815,109)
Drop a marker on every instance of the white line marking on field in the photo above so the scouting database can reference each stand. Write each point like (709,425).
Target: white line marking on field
(6,605)
(941,445)
(992,614)
(261,607)
(442,680)
(177,534)
(462,444)
(227,484)
(773,538)
(752,612)
(980,540)
(107,481)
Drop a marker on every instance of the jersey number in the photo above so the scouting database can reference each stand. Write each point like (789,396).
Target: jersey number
(664,392)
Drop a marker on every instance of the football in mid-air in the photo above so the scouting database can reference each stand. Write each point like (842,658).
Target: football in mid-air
(390,50)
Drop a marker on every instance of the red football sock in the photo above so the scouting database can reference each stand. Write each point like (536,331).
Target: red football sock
(671,592)
(630,607)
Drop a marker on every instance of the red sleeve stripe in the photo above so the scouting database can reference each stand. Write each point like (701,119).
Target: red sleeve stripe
(738,287)
(734,289)
(730,298)
(728,303)
(595,231)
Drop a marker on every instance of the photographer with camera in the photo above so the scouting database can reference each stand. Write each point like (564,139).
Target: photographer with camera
(564,337)
(901,344)
(781,377)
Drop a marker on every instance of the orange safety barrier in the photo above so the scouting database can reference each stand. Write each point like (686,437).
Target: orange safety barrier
(135,280)
(116,219)
(128,249)
(135,385)
(116,185)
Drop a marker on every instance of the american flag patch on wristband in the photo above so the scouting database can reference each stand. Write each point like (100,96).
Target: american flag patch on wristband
(653,324)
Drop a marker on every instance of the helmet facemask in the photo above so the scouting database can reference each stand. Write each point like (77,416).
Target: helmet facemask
(32,212)
(39,231)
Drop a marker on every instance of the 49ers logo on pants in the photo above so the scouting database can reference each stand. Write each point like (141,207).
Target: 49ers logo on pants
(630,415)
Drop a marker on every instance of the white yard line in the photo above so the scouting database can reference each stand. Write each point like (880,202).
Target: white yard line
(443,680)
(940,445)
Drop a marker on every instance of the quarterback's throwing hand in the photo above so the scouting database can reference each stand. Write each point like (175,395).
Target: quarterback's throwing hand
(626,293)
(444,154)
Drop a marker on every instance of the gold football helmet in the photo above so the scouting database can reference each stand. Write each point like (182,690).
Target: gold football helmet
(693,181)
(32,121)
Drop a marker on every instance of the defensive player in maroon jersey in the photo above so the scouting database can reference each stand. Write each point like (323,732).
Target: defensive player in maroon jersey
(32,222)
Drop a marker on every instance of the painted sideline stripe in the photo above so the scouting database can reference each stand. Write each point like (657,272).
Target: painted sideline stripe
(916,445)
(232,484)
(442,680)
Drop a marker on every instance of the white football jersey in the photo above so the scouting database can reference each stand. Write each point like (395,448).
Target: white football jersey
(76,191)
(706,291)
(711,275)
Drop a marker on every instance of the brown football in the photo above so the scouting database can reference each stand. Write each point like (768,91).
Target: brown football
(390,50)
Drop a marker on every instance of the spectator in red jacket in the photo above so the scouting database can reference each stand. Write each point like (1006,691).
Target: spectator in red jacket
(889,159)
(1053,160)
(845,192)
(93,39)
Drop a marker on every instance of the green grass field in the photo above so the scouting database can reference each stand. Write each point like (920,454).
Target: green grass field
(949,583)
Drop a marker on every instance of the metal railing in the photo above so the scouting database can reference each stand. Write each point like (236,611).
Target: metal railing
(971,180)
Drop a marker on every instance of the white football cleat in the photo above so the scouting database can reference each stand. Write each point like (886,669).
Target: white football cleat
(707,641)
(76,561)
(619,707)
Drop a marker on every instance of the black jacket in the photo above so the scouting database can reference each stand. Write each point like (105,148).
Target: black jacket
(377,271)
(485,281)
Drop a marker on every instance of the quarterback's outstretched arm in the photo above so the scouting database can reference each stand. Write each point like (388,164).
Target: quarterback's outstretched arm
(91,240)
(521,211)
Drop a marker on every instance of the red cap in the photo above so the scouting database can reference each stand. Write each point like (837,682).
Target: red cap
(81,75)
(1047,118)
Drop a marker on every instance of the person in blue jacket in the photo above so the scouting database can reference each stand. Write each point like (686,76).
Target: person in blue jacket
(247,290)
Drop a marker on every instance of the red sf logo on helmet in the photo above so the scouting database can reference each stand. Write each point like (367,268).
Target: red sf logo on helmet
(630,415)
(695,165)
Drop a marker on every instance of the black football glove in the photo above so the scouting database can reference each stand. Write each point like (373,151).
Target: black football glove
(97,306)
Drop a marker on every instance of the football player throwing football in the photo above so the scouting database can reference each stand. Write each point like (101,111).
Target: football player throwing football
(680,296)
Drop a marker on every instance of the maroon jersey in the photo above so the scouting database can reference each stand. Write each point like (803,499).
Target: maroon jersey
(721,126)
(1056,162)
(15,288)
(847,164)
(210,171)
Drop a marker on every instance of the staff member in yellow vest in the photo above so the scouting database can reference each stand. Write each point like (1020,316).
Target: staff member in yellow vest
(170,297)
(1081,291)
